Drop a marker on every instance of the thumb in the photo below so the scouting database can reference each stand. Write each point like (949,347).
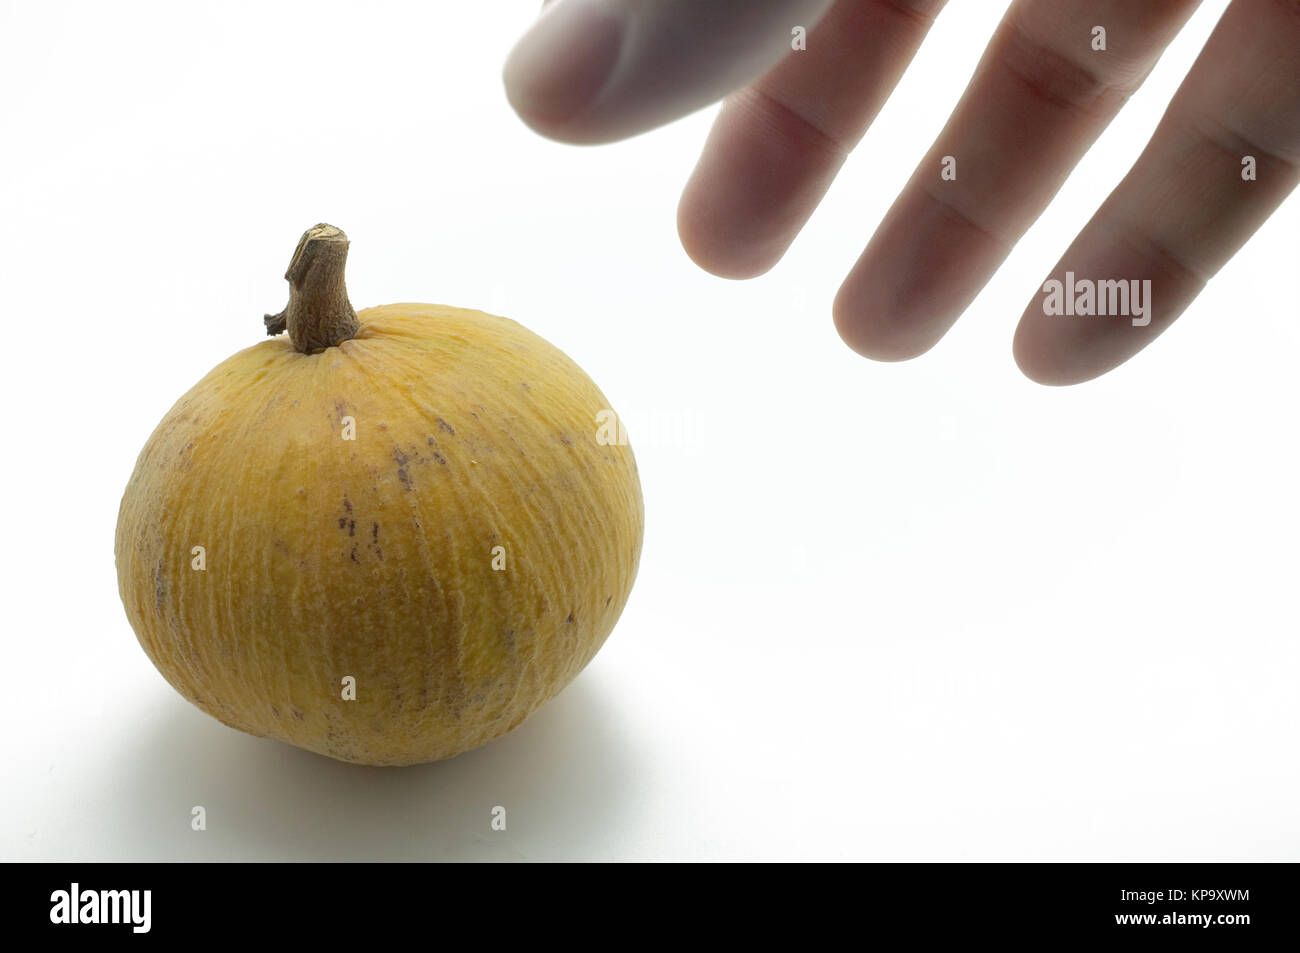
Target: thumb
(599,70)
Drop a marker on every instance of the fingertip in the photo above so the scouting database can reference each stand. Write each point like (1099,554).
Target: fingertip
(559,67)
(1048,358)
(716,252)
(874,320)
(1029,358)
(876,335)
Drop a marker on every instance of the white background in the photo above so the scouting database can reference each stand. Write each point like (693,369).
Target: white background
(928,611)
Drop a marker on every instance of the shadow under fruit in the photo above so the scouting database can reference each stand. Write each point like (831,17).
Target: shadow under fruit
(387,537)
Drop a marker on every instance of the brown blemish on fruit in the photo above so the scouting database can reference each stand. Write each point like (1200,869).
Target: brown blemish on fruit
(343,522)
(402,460)
(374,532)
(443,425)
(353,554)
(569,619)
(436,455)
(296,713)
(352,527)
(347,505)
(159,587)
(275,711)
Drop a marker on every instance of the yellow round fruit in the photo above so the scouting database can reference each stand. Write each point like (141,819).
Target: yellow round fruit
(387,537)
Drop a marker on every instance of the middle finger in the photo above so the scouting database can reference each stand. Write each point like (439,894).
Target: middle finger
(1039,98)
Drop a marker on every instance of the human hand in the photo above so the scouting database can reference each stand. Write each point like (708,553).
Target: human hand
(598,70)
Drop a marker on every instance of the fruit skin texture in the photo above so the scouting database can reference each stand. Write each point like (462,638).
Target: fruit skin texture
(373,557)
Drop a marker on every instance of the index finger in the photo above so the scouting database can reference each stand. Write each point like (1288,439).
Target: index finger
(599,70)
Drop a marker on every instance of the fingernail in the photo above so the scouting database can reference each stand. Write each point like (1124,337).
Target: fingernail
(563,62)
